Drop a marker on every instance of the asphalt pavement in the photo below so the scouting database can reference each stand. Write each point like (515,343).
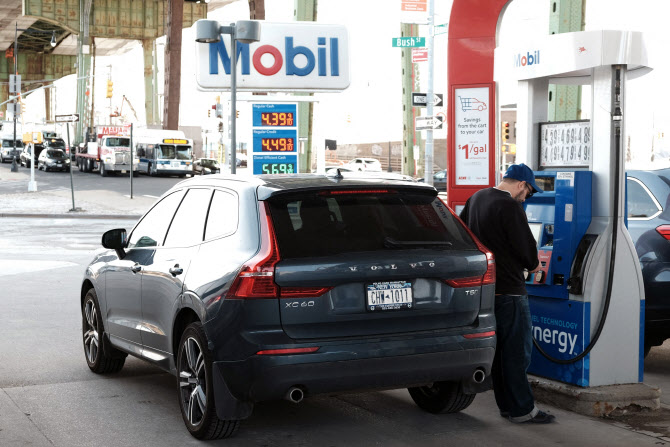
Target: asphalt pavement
(49,397)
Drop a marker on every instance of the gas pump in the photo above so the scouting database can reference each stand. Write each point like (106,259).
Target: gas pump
(587,300)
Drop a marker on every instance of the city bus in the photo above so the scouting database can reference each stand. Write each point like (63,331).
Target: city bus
(164,153)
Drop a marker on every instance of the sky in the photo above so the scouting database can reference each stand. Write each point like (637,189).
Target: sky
(370,110)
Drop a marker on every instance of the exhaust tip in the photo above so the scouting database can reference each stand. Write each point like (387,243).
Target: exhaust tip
(295,394)
(479,375)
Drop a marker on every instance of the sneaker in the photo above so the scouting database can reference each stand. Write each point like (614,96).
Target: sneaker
(541,418)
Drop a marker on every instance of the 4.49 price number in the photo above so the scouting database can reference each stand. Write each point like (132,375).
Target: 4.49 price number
(277,119)
(277,144)
(278,168)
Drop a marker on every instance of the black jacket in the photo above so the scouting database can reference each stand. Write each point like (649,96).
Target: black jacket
(501,225)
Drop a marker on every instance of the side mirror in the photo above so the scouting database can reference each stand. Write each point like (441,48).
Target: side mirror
(116,240)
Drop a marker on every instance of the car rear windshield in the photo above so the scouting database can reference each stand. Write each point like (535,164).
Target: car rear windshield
(57,143)
(9,143)
(326,224)
(56,153)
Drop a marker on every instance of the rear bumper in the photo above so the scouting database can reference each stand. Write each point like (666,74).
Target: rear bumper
(355,366)
(113,167)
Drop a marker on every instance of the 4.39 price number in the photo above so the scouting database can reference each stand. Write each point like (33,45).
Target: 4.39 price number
(277,144)
(277,119)
(278,168)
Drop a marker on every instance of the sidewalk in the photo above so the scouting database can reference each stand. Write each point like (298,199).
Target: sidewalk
(58,203)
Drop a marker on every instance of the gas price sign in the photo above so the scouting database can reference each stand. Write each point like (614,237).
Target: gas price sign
(275,135)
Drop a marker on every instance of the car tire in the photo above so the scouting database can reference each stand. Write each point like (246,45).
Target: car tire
(103,171)
(441,397)
(194,370)
(101,357)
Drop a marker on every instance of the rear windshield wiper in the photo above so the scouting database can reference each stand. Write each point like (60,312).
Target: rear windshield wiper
(389,242)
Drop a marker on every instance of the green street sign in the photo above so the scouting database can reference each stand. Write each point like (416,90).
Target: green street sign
(409,42)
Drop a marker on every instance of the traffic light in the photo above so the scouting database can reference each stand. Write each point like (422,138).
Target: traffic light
(505,131)
(209,114)
(220,126)
(219,110)
(110,88)
(237,113)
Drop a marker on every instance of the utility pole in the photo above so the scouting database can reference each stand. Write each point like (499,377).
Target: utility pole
(172,91)
(428,170)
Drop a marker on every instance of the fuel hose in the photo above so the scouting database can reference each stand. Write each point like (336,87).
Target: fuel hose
(617,121)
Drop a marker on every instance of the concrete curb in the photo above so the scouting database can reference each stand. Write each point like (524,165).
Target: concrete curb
(597,401)
(72,216)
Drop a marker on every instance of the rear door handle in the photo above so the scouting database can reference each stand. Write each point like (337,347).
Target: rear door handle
(136,268)
(176,270)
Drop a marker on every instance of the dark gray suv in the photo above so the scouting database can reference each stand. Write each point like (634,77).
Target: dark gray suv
(270,287)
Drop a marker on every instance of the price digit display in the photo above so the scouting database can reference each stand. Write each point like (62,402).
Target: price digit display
(277,144)
(278,168)
(281,119)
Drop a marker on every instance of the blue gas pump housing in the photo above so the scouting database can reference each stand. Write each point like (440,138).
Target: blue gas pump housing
(559,218)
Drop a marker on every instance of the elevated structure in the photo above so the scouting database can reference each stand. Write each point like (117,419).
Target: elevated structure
(84,28)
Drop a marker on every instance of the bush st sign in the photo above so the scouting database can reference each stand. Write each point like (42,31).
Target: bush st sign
(409,42)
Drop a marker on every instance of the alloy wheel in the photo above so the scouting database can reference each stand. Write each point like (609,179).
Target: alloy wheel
(193,381)
(91,340)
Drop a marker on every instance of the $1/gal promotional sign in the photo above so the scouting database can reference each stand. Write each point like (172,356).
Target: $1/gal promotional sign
(472,136)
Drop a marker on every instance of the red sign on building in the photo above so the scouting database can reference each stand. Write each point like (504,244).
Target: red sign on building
(414,5)
(419,55)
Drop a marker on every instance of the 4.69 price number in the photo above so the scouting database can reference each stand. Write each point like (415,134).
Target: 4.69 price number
(278,168)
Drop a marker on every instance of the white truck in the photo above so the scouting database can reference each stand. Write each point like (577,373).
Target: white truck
(109,154)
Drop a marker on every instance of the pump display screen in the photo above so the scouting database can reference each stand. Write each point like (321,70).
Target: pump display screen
(546,183)
(536,229)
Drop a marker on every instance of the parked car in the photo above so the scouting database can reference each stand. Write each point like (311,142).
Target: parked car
(439,180)
(648,205)
(240,160)
(267,287)
(25,154)
(365,164)
(7,151)
(53,160)
(204,166)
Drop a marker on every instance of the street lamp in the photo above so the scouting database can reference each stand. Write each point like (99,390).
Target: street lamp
(32,186)
(245,31)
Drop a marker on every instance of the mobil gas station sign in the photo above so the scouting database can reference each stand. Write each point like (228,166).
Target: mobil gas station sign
(290,56)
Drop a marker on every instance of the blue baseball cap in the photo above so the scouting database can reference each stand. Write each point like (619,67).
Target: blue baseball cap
(522,173)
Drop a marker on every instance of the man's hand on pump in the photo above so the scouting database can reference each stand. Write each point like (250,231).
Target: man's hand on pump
(536,269)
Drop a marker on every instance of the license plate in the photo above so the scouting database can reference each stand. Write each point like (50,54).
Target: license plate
(389,295)
(123,171)
(175,164)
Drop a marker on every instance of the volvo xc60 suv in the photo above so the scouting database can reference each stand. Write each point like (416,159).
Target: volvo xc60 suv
(271,287)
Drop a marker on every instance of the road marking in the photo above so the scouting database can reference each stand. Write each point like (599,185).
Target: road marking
(15,267)
(143,195)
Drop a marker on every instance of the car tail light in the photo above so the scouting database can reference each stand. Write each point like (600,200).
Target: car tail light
(664,230)
(489,276)
(288,351)
(256,278)
(480,334)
